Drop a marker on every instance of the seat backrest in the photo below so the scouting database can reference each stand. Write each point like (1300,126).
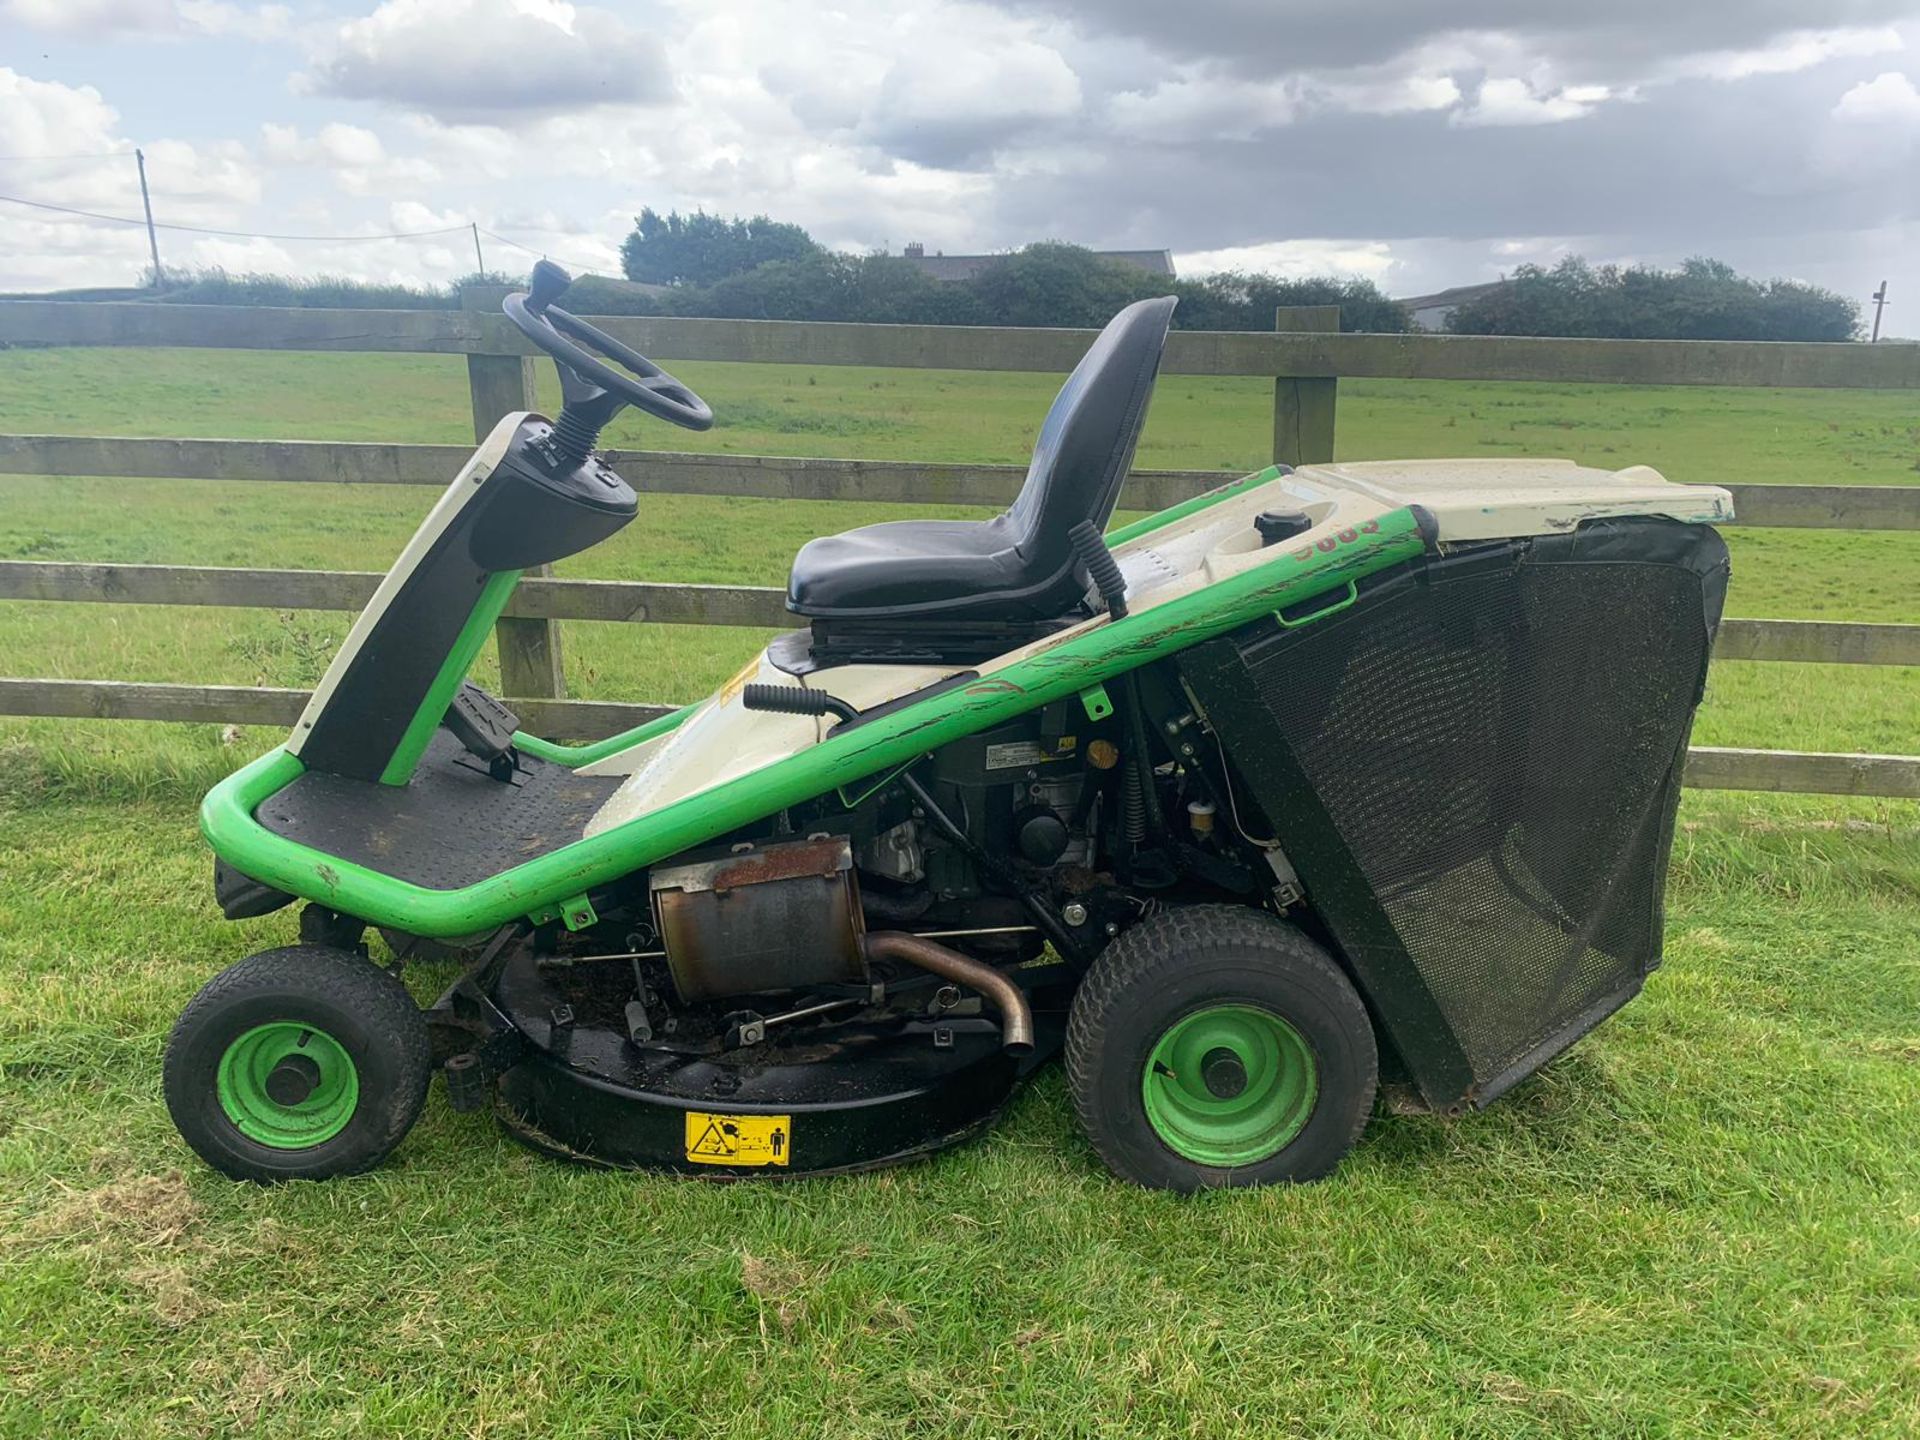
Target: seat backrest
(1086,445)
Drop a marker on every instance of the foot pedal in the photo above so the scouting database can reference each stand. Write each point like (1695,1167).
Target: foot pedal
(485,728)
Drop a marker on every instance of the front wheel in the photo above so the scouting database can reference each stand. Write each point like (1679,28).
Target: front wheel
(298,1064)
(1219,1046)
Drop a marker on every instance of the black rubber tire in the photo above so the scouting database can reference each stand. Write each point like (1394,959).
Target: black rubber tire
(1181,961)
(364,1008)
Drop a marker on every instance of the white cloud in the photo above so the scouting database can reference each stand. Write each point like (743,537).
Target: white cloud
(938,84)
(201,183)
(1198,107)
(355,157)
(246,22)
(946,100)
(1512,101)
(1295,259)
(1787,54)
(475,60)
(1202,104)
(1889,99)
(1396,95)
(112,19)
(192,185)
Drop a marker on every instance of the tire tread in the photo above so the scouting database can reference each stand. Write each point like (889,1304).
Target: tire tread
(343,979)
(1157,949)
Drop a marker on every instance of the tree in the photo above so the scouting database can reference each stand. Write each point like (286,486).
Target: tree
(876,289)
(1702,300)
(1242,300)
(700,249)
(1050,283)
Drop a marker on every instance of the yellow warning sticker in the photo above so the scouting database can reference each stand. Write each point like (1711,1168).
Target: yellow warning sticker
(738,1139)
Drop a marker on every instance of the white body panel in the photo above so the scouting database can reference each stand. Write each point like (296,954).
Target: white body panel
(723,740)
(1469,500)
(464,489)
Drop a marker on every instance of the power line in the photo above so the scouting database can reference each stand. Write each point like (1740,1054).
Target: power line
(232,234)
(151,224)
(97,155)
(537,254)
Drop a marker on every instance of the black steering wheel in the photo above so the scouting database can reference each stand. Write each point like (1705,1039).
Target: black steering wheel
(586,379)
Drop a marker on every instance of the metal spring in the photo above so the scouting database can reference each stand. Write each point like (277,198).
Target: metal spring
(1133,807)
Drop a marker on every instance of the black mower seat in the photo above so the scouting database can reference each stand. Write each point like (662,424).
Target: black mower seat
(1017,567)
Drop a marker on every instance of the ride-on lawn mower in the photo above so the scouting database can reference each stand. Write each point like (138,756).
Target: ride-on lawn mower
(1353,774)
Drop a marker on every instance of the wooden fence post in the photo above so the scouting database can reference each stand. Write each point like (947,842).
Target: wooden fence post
(1303,408)
(530,663)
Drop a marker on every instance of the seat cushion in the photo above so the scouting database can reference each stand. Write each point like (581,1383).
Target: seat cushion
(909,567)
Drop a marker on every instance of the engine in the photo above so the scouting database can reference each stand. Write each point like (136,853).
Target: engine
(1040,830)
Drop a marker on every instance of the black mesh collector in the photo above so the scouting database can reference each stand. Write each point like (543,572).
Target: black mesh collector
(1475,771)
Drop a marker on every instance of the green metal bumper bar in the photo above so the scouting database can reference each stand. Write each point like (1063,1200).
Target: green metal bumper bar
(574,756)
(1292,576)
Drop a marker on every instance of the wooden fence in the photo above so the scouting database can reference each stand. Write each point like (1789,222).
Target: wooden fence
(1305,358)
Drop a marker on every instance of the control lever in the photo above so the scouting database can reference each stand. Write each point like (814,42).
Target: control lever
(795,700)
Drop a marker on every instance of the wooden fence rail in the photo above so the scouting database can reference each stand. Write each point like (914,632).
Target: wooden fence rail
(779,477)
(751,606)
(963,347)
(1305,357)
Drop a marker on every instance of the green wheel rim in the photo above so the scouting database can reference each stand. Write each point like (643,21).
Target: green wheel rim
(1230,1085)
(306,1058)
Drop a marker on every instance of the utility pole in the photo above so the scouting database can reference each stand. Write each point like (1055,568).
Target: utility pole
(479,260)
(153,240)
(1879,309)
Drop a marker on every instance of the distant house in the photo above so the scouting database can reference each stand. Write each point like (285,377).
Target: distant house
(965,267)
(1431,312)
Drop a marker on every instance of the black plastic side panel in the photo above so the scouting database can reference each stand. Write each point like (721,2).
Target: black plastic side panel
(357,732)
(544,508)
(241,896)
(532,511)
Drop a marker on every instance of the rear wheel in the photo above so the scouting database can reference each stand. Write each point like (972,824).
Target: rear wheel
(297,1064)
(1219,1046)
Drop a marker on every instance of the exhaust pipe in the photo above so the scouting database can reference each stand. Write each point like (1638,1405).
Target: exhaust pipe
(1016,1019)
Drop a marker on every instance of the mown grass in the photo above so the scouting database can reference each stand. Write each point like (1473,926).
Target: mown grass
(1704,1221)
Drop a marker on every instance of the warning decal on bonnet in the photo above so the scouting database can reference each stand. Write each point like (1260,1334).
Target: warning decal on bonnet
(738,1139)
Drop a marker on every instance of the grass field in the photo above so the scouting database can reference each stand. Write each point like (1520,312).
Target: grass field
(1704,1221)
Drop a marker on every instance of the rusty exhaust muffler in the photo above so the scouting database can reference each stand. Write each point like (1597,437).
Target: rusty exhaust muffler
(1016,1019)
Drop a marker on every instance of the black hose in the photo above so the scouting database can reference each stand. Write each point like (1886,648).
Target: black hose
(1090,548)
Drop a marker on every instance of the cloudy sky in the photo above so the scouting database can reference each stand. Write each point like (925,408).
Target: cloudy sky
(1418,143)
